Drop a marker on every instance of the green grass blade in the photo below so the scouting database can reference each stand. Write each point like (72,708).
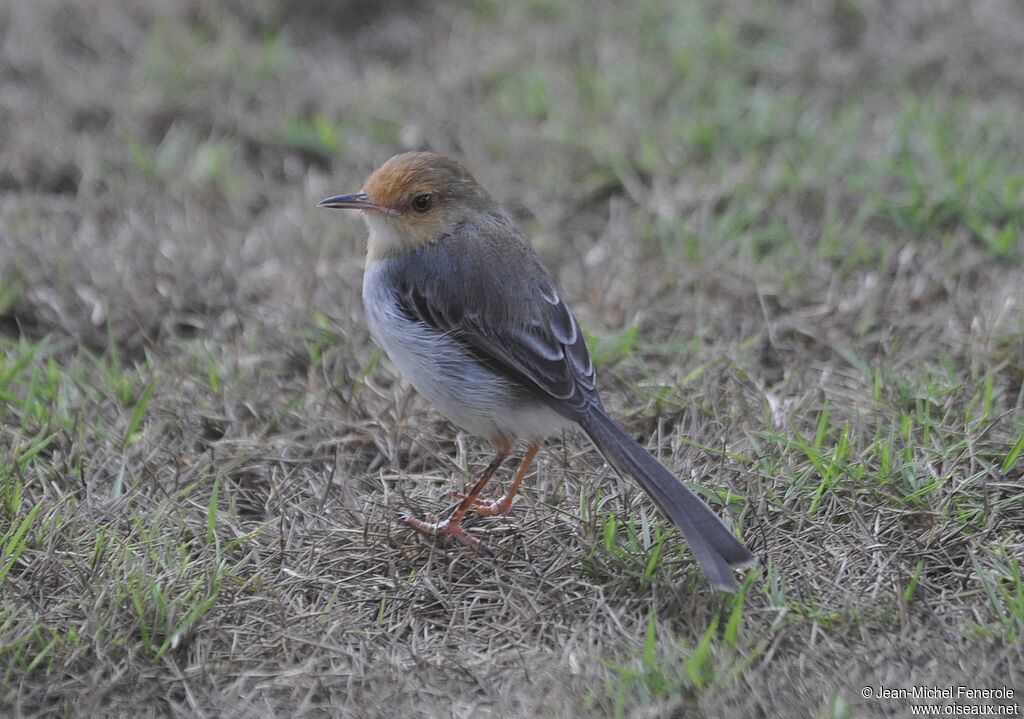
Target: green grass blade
(8,373)
(1011,457)
(138,414)
(13,548)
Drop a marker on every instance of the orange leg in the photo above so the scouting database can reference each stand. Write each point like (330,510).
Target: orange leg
(495,507)
(453,524)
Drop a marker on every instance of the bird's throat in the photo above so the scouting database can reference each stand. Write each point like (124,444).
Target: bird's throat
(388,237)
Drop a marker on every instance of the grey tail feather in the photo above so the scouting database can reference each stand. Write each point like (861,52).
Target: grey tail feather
(711,542)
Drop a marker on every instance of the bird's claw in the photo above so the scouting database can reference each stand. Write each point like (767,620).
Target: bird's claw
(432,526)
(484,507)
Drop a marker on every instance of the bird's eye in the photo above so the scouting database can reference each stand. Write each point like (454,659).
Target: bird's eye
(422,203)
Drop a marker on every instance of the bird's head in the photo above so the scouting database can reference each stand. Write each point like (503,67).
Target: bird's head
(414,199)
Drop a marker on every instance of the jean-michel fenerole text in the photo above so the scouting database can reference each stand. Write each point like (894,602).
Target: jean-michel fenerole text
(947,692)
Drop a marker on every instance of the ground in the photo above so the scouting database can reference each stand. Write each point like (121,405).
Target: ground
(791,229)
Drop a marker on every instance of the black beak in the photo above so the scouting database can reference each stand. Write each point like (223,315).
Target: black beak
(359,201)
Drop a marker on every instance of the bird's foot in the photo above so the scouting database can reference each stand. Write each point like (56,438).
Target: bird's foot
(486,507)
(432,526)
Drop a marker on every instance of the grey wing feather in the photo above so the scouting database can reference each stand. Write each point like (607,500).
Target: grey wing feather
(532,336)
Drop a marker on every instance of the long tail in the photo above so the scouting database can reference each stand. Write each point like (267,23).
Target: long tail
(711,542)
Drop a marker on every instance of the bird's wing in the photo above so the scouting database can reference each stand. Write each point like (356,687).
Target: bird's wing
(506,311)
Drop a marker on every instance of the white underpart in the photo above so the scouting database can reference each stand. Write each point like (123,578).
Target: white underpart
(472,396)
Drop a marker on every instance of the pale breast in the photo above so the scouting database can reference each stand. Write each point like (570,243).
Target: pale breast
(471,395)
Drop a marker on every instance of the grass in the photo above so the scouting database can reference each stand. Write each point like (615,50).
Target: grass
(791,231)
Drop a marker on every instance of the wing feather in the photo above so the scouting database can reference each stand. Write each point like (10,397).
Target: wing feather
(518,326)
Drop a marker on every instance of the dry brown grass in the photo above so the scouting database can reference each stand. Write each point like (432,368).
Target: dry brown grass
(831,338)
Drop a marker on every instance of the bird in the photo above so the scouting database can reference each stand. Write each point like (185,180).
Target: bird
(460,302)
